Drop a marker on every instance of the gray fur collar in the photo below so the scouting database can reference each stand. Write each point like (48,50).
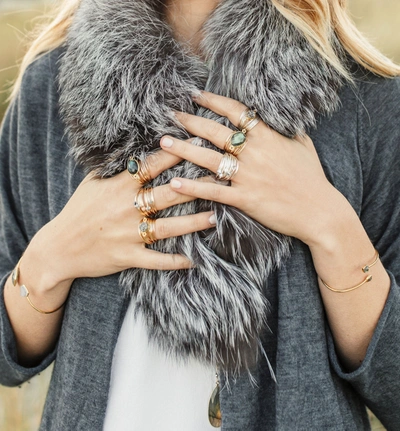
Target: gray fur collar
(120,77)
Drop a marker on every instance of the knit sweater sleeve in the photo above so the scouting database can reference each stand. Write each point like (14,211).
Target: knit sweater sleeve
(23,138)
(377,380)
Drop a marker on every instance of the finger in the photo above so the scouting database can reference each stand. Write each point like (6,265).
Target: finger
(165,197)
(161,161)
(224,106)
(151,259)
(177,226)
(198,155)
(205,128)
(158,162)
(204,190)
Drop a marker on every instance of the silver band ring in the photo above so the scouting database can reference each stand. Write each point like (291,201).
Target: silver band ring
(228,167)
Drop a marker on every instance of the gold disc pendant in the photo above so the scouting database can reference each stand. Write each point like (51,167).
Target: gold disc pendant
(214,408)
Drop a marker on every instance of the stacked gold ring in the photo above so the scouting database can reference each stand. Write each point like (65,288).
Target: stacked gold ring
(228,167)
(139,170)
(146,230)
(236,142)
(248,120)
(144,202)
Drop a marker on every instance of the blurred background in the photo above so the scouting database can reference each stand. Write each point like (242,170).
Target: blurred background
(20,408)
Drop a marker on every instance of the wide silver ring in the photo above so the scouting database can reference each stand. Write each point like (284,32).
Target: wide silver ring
(227,168)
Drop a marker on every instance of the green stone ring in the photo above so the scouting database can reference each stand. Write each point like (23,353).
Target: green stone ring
(235,143)
(139,170)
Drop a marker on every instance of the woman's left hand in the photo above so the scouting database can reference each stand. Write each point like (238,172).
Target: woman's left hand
(280,181)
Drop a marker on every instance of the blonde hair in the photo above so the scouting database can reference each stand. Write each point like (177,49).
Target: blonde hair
(318,20)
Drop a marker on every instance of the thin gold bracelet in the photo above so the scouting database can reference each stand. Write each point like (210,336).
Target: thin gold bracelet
(24,292)
(367,279)
(367,267)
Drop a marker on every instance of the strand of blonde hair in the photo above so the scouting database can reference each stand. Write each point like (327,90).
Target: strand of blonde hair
(48,37)
(317,20)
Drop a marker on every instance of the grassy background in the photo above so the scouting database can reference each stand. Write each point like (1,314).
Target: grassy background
(20,408)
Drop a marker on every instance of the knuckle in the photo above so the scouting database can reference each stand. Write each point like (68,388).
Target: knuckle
(169,262)
(192,189)
(169,195)
(182,148)
(233,105)
(215,194)
(163,229)
(153,162)
(183,117)
(200,222)
(214,128)
(161,263)
(213,159)
(241,201)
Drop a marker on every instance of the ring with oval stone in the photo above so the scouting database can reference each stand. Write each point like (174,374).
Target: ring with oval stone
(248,120)
(236,142)
(138,170)
(227,168)
(146,230)
(144,202)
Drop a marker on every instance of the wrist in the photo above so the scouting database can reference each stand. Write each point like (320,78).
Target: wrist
(334,219)
(340,247)
(43,265)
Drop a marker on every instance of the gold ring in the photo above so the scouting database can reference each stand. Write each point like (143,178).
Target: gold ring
(248,120)
(228,167)
(236,142)
(144,202)
(146,230)
(139,170)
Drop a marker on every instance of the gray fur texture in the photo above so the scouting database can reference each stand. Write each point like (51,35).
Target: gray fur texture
(120,78)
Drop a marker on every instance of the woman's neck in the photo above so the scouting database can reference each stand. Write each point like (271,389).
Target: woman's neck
(187,17)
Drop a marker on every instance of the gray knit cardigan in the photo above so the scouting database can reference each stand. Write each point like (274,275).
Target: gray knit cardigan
(359,147)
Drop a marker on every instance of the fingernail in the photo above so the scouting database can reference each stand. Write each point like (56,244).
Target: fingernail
(167,142)
(213,219)
(175,184)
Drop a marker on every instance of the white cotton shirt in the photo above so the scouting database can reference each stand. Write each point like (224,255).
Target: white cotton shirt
(151,392)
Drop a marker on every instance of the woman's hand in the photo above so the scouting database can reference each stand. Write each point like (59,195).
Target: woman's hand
(96,234)
(280,181)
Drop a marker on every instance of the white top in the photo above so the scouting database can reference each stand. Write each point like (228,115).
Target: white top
(150,392)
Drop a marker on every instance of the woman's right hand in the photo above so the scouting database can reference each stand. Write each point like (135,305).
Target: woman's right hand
(96,234)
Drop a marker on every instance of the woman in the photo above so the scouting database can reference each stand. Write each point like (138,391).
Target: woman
(127,77)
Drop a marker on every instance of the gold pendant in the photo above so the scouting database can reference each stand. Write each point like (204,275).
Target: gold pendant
(214,408)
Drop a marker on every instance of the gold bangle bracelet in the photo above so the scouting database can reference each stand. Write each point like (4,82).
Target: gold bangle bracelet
(24,292)
(367,267)
(366,280)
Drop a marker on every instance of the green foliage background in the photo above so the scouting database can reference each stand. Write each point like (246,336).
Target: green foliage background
(20,408)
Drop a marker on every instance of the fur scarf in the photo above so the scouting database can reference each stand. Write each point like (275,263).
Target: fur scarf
(121,76)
